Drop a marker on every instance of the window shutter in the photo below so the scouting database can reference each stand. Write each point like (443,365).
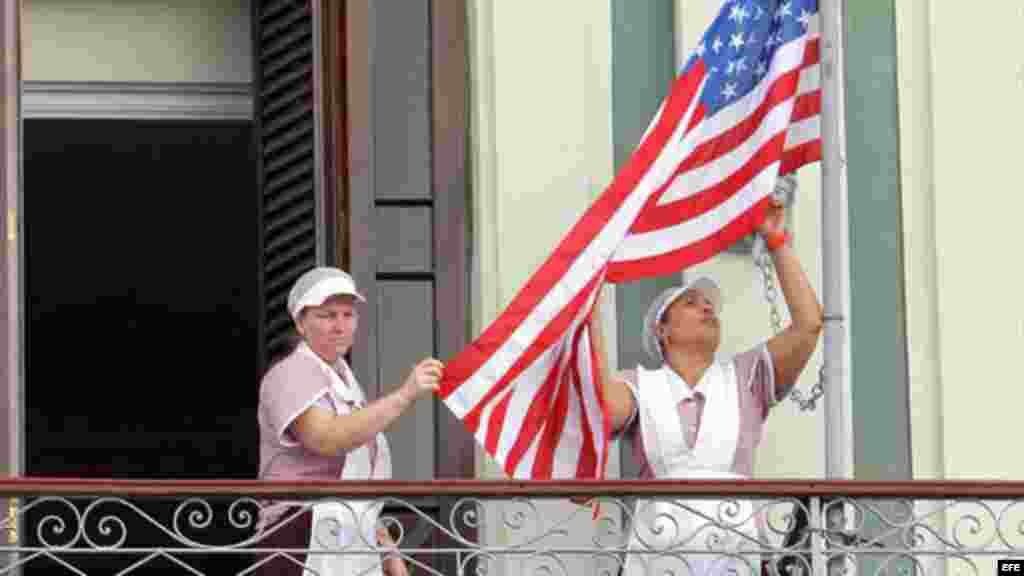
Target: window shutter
(283,86)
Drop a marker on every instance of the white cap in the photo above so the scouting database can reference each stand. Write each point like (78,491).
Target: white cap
(317,285)
(659,305)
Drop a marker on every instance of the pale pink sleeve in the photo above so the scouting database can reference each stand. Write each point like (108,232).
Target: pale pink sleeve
(288,390)
(756,375)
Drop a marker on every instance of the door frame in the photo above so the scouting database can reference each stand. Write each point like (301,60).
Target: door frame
(11,280)
(346,98)
(138,100)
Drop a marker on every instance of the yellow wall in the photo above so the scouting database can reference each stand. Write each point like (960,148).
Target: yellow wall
(137,40)
(541,134)
(962,85)
(794,441)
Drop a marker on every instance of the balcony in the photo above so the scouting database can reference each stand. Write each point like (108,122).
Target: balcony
(502,527)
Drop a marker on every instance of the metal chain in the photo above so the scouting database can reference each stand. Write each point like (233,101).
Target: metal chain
(764,264)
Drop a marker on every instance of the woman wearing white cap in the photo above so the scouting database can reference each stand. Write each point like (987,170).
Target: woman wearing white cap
(698,418)
(315,423)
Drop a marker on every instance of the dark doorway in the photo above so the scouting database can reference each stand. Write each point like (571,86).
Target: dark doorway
(142,268)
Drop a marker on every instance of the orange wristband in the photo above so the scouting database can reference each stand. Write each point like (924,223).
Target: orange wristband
(776,240)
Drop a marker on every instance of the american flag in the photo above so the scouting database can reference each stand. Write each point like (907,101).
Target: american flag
(744,109)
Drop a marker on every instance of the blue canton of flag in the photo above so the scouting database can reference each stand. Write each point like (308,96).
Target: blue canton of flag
(740,45)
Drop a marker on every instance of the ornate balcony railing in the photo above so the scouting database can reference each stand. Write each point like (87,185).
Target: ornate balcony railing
(493,528)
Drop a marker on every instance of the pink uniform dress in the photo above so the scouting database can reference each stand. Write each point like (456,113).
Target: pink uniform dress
(707,431)
(289,388)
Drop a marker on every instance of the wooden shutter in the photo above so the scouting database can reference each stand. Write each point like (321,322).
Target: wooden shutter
(407,198)
(404,153)
(285,142)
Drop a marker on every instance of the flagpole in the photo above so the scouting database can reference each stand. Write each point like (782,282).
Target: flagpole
(835,247)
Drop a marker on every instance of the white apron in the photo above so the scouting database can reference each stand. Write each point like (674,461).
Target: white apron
(351,524)
(667,525)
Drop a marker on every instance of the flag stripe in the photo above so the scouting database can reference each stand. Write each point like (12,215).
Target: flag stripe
(495,424)
(789,59)
(689,254)
(525,464)
(556,326)
(807,106)
(536,417)
(802,154)
(524,389)
(802,132)
(810,79)
(625,184)
(561,289)
(588,462)
(695,121)
(779,92)
(694,192)
(532,377)
(556,420)
(710,199)
(700,227)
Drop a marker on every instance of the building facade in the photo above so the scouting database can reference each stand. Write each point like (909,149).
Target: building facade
(484,112)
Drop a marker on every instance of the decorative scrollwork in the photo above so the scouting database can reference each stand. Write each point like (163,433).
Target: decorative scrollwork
(240,517)
(545,563)
(611,529)
(781,519)
(1010,525)
(521,518)
(789,536)
(466,514)
(54,524)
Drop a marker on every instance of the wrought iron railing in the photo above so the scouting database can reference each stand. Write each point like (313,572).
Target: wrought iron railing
(499,528)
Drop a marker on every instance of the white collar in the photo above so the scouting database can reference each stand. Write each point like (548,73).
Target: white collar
(682,390)
(339,369)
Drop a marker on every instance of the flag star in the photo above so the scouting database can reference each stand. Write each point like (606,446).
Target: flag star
(741,65)
(761,69)
(805,18)
(736,41)
(731,68)
(717,44)
(729,91)
(700,50)
(759,12)
(752,39)
(738,14)
(785,10)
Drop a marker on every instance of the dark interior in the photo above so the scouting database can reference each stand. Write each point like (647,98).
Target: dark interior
(142,330)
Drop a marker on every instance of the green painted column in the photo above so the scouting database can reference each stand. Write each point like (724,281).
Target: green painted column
(878,348)
(643,66)
(880,390)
